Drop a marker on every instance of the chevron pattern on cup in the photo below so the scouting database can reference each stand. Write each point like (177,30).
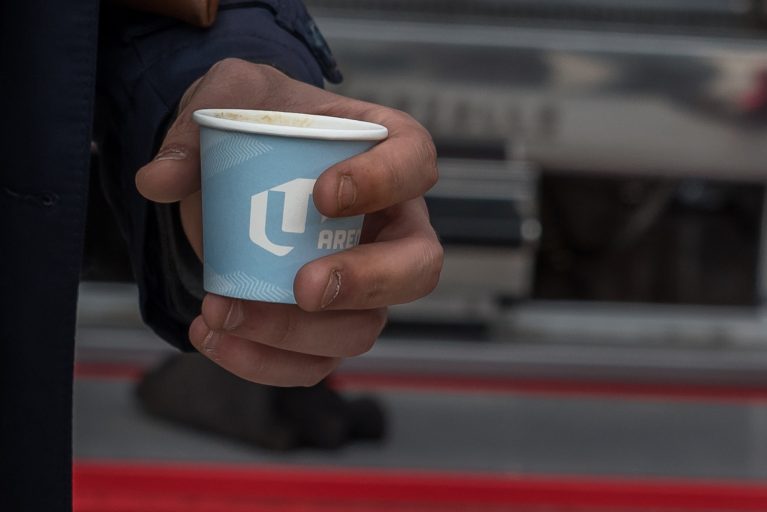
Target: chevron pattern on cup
(239,284)
(226,150)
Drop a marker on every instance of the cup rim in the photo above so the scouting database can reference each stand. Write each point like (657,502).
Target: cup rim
(327,127)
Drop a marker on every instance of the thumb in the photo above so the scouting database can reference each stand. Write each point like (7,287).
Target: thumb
(174,173)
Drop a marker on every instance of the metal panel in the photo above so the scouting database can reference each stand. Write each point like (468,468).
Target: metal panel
(693,14)
(584,100)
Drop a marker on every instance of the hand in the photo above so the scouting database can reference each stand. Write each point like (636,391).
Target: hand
(342,298)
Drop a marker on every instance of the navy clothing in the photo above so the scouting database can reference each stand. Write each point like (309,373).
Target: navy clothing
(49,82)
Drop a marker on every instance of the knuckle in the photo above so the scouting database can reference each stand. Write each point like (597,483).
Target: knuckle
(426,154)
(394,175)
(429,156)
(227,65)
(243,70)
(433,256)
(375,289)
(404,117)
(424,147)
(429,150)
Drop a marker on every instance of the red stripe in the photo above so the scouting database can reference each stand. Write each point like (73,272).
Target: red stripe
(558,387)
(113,487)
(99,370)
(452,384)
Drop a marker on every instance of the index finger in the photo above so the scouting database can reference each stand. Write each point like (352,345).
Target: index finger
(231,83)
(402,167)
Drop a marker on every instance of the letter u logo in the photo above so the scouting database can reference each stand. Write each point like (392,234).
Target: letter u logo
(298,193)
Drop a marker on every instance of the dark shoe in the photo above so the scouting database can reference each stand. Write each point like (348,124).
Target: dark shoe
(190,390)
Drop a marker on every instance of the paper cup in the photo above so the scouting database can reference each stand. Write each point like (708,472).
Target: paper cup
(260,225)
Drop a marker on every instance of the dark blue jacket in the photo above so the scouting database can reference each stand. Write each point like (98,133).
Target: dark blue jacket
(57,58)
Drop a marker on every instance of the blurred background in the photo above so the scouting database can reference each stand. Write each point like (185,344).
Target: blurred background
(598,340)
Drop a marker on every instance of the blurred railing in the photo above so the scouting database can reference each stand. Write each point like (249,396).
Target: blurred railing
(697,15)
(627,88)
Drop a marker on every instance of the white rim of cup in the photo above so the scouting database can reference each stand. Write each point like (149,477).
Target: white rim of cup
(290,124)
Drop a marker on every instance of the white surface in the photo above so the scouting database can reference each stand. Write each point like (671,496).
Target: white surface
(290,124)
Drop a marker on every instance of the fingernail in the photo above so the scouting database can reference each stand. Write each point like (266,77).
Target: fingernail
(332,289)
(347,193)
(209,342)
(234,316)
(171,153)
(204,338)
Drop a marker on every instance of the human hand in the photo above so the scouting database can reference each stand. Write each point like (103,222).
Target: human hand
(341,298)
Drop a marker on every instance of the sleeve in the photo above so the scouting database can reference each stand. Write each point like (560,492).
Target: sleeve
(145,65)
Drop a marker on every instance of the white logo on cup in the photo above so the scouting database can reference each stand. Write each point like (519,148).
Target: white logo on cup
(297,195)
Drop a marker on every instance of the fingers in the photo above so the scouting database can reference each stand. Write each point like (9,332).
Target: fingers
(370,276)
(287,345)
(402,167)
(257,362)
(279,344)
(401,265)
(174,173)
(286,327)
(231,83)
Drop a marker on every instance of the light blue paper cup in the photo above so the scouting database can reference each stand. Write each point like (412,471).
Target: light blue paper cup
(260,225)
